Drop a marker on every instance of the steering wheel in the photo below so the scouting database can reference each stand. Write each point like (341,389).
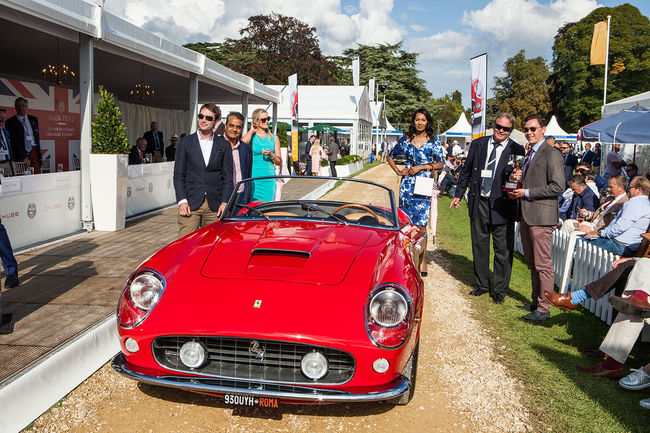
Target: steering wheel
(360,206)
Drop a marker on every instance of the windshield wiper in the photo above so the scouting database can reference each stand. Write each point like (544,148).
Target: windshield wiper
(319,209)
(255,210)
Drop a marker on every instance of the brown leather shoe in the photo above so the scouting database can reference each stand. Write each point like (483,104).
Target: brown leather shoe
(629,305)
(600,371)
(562,301)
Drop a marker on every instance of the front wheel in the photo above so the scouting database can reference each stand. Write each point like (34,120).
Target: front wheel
(410,373)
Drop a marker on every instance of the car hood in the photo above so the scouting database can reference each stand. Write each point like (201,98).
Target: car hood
(303,252)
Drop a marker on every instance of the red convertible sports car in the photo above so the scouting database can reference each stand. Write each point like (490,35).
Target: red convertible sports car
(308,298)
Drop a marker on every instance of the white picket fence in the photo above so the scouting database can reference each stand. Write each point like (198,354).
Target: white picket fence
(576,264)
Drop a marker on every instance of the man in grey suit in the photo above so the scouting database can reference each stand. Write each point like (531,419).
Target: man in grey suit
(543,181)
(203,177)
(333,155)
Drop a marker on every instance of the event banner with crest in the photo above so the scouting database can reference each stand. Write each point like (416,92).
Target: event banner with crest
(479,94)
(293,90)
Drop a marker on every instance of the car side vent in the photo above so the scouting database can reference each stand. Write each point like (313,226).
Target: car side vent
(280,252)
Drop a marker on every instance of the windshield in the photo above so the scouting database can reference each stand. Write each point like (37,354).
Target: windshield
(339,201)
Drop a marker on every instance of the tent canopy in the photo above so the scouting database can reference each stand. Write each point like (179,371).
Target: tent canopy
(627,126)
(554,129)
(617,106)
(460,128)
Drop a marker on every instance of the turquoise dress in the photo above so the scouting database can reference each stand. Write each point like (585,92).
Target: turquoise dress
(264,189)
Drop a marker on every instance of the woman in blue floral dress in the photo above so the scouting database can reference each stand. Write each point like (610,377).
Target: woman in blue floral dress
(424,154)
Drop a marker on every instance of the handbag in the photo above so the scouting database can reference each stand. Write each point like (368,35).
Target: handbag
(423,186)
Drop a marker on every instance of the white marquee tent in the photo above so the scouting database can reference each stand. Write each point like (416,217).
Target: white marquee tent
(554,129)
(461,132)
(642,99)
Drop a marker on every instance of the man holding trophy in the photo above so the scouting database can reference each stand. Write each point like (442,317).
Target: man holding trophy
(487,170)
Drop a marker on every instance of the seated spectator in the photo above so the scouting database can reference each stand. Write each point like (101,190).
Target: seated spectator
(627,326)
(583,197)
(623,235)
(606,212)
(170,152)
(449,182)
(636,380)
(137,155)
(594,181)
(631,171)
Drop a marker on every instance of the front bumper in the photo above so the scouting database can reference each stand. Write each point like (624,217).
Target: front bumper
(285,393)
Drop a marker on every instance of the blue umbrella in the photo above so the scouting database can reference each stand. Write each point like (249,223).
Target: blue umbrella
(629,126)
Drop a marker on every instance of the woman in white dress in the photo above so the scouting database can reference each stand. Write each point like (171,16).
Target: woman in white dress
(317,155)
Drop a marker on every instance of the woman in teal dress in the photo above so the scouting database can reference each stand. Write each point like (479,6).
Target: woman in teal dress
(266,155)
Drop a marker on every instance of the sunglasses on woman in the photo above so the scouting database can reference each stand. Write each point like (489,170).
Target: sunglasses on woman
(208,118)
(265,119)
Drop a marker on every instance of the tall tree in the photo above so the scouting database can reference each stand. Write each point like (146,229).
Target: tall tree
(523,89)
(446,110)
(576,87)
(395,72)
(273,47)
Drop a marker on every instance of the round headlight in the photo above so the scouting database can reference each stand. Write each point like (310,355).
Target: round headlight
(381,365)
(131,345)
(192,354)
(314,365)
(388,308)
(145,290)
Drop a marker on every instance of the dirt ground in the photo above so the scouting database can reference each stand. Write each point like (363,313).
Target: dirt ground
(461,386)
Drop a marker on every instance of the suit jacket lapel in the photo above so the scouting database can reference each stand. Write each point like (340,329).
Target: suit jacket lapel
(503,160)
(214,148)
(482,155)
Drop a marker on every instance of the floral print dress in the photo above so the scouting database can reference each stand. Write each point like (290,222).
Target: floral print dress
(417,207)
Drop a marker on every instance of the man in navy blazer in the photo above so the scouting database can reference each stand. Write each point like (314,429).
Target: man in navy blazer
(583,197)
(25,141)
(242,155)
(155,143)
(490,210)
(202,174)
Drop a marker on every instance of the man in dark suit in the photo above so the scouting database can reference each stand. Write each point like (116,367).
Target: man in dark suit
(570,160)
(242,155)
(5,146)
(202,174)
(170,151)
(588,155)
(490,210)
(543,181)
(583,197)
(155,143)
(25,141)
(137,154)
(307,155)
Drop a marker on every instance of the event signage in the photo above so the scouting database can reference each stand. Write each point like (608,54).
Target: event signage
(479,94)
(293,91)
(57,110)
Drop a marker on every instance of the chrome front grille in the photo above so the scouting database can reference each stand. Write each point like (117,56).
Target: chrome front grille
(254,359)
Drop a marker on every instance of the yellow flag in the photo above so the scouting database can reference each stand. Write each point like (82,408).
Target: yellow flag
(599,44)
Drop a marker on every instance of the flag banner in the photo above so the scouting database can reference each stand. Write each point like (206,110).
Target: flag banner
(371,89)
(57,110)
(599,44)
(293,91)
(479,94)
(355,72)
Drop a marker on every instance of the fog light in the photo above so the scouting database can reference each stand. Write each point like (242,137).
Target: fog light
(314,365)
(192,354)
(131,345)
(380,365)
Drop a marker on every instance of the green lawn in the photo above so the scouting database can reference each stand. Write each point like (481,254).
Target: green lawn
(544,356)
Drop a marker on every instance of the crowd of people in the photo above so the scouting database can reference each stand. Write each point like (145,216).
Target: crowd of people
(546,186)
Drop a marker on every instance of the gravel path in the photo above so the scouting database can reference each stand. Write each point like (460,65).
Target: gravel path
(461,385)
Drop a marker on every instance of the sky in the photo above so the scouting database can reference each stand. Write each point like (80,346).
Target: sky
(446,33)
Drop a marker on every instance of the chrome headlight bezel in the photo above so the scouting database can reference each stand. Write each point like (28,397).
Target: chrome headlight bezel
(136,311)
(380,334)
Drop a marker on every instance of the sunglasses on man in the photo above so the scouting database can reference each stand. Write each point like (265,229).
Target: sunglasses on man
(208,118)
(531,129)
(502,128)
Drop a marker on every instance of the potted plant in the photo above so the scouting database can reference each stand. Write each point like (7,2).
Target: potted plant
(109,173)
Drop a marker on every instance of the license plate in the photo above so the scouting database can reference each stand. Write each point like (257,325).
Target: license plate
(250,401)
